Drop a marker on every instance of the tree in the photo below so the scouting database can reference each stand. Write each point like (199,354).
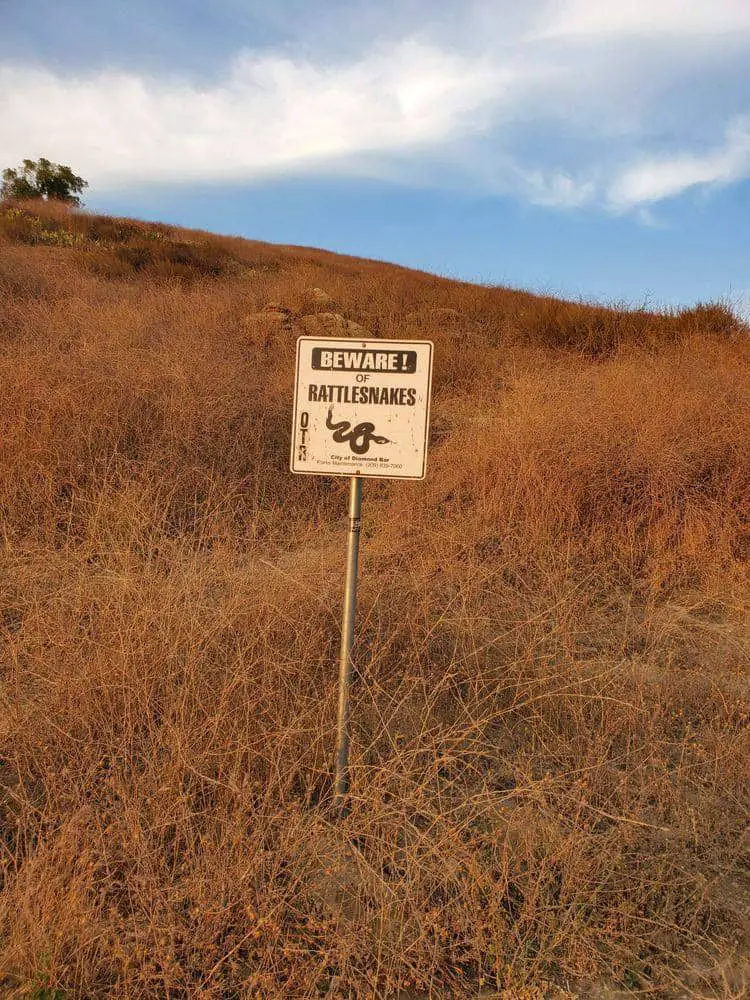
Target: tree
(42,179)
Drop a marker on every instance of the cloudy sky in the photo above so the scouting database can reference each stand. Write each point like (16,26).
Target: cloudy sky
(594,148)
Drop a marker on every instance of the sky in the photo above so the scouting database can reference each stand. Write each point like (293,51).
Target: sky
(596,149)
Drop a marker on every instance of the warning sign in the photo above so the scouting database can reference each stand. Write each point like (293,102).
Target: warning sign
(362,408)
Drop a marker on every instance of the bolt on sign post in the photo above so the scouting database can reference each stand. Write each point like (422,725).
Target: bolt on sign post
(362,410)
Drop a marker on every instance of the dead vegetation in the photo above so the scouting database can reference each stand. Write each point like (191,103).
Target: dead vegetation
(550,748)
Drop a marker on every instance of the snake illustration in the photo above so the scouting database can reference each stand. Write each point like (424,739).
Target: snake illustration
(359,437)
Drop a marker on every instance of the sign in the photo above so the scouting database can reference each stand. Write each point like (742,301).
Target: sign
(362,407)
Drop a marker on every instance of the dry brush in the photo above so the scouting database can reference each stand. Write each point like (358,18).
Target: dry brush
(550,745)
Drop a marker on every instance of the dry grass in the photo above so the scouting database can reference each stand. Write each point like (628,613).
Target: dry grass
(550,741)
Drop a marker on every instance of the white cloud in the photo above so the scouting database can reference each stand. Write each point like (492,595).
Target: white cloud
(557,189)
(270,114)
(565,105)
(656,178)
(647,17)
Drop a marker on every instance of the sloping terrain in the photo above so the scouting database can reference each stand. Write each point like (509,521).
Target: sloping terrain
(550,715)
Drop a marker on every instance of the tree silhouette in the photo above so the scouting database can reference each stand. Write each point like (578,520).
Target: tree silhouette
(42,179)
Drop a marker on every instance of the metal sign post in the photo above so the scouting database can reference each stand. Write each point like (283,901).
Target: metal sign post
(361,409)
(341,786)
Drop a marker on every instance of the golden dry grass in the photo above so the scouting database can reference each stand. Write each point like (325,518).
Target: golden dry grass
(550,724)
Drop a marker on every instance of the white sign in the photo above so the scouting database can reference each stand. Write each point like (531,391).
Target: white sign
(362,407)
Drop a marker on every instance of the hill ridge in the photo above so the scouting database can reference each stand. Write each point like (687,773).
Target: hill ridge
(550,711)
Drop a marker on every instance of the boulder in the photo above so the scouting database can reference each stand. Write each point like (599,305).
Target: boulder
(331,324)
(316,298)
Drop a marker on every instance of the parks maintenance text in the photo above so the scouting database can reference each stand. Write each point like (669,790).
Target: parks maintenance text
(384,395)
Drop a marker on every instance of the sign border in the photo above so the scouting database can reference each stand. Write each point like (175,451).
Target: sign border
(365,344)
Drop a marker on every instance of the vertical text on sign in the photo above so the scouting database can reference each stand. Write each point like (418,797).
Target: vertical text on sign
(304,430)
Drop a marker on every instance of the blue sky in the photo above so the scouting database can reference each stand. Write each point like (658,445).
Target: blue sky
(581,147)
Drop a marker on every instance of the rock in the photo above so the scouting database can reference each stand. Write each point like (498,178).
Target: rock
(331,324)
(317,298)
(355,330)
(276,307)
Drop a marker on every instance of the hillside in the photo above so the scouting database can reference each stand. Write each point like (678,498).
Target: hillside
(550,720)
